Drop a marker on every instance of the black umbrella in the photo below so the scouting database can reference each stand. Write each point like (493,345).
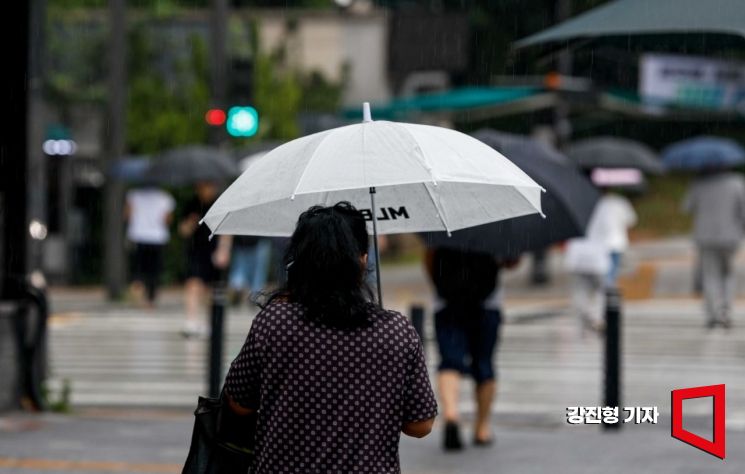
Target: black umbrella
(568,203)
(611,152)
(190,164)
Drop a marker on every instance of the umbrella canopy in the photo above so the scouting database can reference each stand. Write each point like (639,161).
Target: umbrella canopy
(702,153)
(645,17)
(422,178)
(190,164)
(426,178)
(611,152)
(131,169)
(568,203)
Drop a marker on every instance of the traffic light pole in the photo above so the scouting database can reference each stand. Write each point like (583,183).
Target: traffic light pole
(218,64)
(217,75)
(114,189)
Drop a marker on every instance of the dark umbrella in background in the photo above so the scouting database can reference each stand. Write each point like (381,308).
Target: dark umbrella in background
(611,152)
(246,155)
(702,153)
(191,164)
(132,169)
(568,203)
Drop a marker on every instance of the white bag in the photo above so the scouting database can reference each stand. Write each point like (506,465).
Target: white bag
(587,257)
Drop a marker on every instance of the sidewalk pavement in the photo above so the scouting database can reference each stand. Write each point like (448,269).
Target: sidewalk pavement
(102,442)
(135,380)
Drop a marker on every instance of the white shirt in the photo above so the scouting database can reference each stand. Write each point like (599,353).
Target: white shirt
(149,208)
(610,221)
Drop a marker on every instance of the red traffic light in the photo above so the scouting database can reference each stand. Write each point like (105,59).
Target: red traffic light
(215,117)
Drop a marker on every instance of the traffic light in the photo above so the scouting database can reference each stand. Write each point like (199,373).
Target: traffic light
(242,121)
(215,117)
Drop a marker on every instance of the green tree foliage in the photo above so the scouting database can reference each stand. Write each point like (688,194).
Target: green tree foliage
(163,113)
(277,95)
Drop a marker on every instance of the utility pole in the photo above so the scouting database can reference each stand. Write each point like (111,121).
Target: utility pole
(562,124)
(13,158)
(218,64)
(218,27)
(114,189)
(37,160)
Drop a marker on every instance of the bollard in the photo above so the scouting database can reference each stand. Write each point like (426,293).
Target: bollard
(217,323)
(613,353)
(417,320)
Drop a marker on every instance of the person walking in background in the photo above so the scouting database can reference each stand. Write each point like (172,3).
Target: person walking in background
(148,211)
(717,202)
(371,278)
(249,266)
(467,324)
(205,258)
(609,225)
(594,261)
(335,378)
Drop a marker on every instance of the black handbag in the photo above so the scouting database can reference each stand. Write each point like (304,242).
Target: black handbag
(222,442)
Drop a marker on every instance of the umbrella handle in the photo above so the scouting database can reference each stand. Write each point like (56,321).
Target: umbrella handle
(375,243)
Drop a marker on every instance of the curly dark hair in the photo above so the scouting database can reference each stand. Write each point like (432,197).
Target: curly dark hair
(324,270)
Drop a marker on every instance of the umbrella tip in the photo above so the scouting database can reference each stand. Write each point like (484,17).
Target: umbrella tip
(366,115)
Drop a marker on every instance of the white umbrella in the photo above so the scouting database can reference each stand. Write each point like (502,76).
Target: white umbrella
(246,162)
(416,178)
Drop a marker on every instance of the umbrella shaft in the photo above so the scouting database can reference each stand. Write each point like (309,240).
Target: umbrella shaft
(375,243)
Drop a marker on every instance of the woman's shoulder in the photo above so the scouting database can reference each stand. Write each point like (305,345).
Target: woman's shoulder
(391,319)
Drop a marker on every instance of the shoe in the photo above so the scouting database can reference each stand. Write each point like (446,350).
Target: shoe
(726,323)
(711,324)
(193,329)
(483,443)
(452,440)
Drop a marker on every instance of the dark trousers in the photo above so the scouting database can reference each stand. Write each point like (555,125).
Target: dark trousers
(147,265)
(467,335)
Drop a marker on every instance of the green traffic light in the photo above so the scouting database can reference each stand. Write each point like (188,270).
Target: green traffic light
(242,121)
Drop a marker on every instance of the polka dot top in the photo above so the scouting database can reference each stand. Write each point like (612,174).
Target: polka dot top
(330,400)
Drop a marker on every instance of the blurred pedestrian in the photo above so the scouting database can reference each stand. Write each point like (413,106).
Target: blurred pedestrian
(149,212)
(371,277)
(609,225)
(467,325)
(539,274)
(248,267)
(717,201)
(334,377)
(205,258)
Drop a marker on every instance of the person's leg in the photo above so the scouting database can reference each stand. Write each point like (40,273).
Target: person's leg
(485,393)
(152,272)
(240,265)
(587,299)
(448,382)
(539,274)
(261,265)
(727,257)
(597,303)
(137,286)
(615,269)
(711,278)
(483,338)
(451,343)
(194,293)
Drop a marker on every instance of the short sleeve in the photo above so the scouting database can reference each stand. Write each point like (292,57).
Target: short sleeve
(243,382)
(419,399)
(169,204)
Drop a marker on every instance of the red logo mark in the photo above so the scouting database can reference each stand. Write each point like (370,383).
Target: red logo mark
(715,447)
